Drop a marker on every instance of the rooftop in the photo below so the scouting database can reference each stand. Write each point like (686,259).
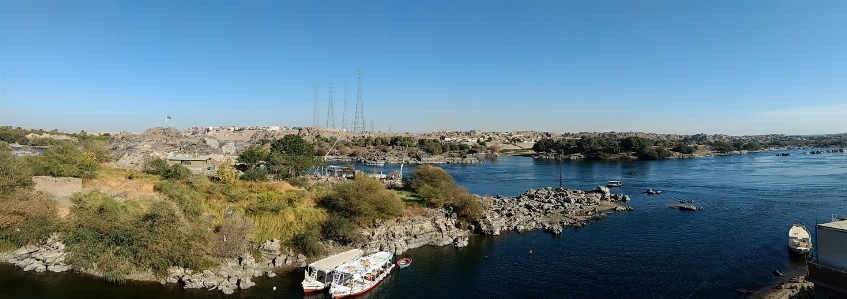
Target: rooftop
(189,158)
(837,225)
(336,260)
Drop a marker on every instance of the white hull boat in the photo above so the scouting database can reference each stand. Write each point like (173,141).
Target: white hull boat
(799,240)
(361,275)
(318,275)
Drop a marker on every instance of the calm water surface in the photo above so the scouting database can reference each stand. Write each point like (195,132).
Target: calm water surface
(653,252)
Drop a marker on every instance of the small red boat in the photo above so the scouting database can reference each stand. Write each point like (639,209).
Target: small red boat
(404,262)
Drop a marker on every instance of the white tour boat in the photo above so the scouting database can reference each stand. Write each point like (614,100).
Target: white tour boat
(799,240)
(318,275)
(361,275)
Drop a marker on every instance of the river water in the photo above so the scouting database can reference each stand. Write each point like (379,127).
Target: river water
(726,251)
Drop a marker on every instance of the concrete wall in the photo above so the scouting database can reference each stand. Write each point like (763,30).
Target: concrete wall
(832,248)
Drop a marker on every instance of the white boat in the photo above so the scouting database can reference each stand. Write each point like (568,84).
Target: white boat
(361,275)
(376,163)
(318,275)
(799,240)
(614,184)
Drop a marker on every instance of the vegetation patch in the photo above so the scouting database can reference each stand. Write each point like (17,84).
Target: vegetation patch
(119,238)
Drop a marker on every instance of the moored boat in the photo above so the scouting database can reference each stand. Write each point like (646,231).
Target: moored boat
(614,184)
(653,192)
(404,262)
(799,239)
(318,275)
(361,275)
(375,163)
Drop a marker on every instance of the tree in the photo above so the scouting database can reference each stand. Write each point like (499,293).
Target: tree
(291,156)
(293,145)
(254,154)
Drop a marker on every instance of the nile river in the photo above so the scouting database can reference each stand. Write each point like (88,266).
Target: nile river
(726,251)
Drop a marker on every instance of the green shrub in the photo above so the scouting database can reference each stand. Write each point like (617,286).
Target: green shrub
(433,184)
(255,175)
(308,242)
(27,217)
(189,200)
(14,174)
(804,293)
(466,205)
(299,181)
(157,166)
(121,237)
(99,148)
(362,200)
(267,202)
(64,160)
(178,172)
(340,229)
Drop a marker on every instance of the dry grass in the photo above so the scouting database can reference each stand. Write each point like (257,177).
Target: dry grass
(115,181)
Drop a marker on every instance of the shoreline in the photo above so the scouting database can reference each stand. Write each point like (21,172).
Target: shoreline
(547,208)
(782,290)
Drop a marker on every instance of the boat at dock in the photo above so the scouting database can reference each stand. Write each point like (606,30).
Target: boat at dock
(361,275)
(318,275)
(375,163)
(404,262)
(614,184)
(799,239)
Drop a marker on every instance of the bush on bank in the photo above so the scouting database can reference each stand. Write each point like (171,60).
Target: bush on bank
(363,200)
(27,217)
(119,238)
(64,159)
(437,188)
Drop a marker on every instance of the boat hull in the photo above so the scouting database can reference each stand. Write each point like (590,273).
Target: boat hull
(404,262)
(336,295)
(312,286)
(801,252)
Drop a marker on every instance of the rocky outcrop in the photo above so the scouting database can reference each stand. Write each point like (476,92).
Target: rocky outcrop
(132,150)
(549,209)
(438,227)
(234,274)
(48,257)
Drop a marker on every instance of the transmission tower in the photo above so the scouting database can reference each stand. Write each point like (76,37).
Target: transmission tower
(372,122)
(315,121)
(359,121)
(330,114)
(344,118)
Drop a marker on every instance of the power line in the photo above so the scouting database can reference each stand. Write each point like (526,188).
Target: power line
(359,121)
(315,121)
(330,114)
(344,118)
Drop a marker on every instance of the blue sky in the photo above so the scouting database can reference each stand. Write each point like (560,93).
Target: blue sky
(730,67)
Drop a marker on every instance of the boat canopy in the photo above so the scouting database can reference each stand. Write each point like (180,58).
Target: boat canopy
(329,263)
